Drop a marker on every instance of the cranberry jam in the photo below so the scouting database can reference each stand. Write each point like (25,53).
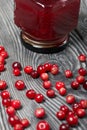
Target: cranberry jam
(46,23)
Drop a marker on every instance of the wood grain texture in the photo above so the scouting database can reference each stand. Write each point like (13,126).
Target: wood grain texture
(67,59)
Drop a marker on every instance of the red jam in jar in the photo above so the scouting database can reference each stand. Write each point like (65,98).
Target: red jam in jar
(47,22)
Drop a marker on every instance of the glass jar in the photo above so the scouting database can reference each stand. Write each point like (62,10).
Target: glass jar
(46,23)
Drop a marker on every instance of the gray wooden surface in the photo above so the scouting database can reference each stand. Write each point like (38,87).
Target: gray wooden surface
(67,59)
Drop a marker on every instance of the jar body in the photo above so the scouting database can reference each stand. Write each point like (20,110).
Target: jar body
(47,20)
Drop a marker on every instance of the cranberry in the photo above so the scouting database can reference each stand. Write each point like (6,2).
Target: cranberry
(13,120)
(62,91)
(2,60)
(61,115)
(54,69)
(70,113)
(80,79)
(85,85)
(59,85)
(39,98)
(16,65)
(31,94)
(25,122)
(68,73)
(64,126)
(76,106)
(28,69)
(19,84)
(82,71)
(80,113)
(64,108)
(47,84)
(1,48)
(50,93)
(82,57)
(39,112)
(44,76)
(3,85)
(10,111)
(16,72)
(40,69)
(4,54)
(70,99)
(6,102)
(34,74)
(75,85)
(18,127)
(47,67)
(72,120)
(83,103)
(43,125)
(2,67)
(5,94)
(16,104)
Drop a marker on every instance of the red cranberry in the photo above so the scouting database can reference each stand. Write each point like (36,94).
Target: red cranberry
(31,94)
(2,60)
(5,94)
(40,69)
(75,85)
(70,99)
(85,85)
(61,115)
(50,93)
(6,102)
(34,74)
(80,113)
(68,73)
(82,71)
(19,84)
(3,85)
(10,111)
(44,76)
(18,127)
(43,125)
(13,120)
(70,113)
(83,103)
(28,69)
(62,91)
(76,106)
(39,112)
(64,126)
(16,72)
(39,98)
(72,120)
(82,57)
(59,85)
(1,48)
(47,84)
(25,122)
(2,67)
(47,67)
(64,108)
(4,54)
(80,79)
(16,65)
(54,69)
(16,104)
